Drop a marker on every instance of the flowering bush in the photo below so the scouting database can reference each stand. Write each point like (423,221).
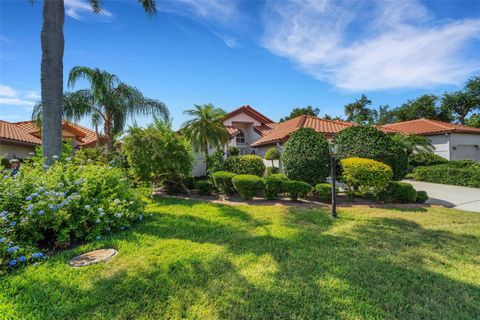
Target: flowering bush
(53,207)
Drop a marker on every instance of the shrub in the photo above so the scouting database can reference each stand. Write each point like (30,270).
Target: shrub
(223,182)
(365,176)
(272,170)
(398,192)
(297,189)
(426,159)
(204,187)
(233,151)
(324,191)
(459,173)
(216,162)
(274,185)
(247,185)
(306,156)
(60,205)
(422,197)
(248,164)
(371,143)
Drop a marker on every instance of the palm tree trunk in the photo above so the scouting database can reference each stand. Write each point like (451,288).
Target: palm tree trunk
(52,77)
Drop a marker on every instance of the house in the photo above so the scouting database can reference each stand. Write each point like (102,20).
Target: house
(451,141)
(18,139)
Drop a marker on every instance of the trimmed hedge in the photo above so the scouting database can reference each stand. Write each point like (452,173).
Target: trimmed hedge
(297,189)
(204,187)
(306,156)
(247,185)
(371,143)
(365,176)
(248,164)
(274,185)
(458,173)
(422,197)
(324,191)
(233,151)
(398,192)
(426,159)
(223,182)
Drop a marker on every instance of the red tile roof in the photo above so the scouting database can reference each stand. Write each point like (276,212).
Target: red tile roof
(427,127)
(266,128)
(251,112)
(283,130)
(10,131)
(232,131)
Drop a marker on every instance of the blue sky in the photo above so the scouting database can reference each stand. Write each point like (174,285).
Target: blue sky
(272,55)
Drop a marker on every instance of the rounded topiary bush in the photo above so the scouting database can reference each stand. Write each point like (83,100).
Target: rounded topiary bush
(233,151)
(371,143)
(223,182)
(306,156)
(247,185)
(297,189)
(248,164)
(398,192)
(324,191)
(204,187)
(274,185)
(422,197)
(364,176)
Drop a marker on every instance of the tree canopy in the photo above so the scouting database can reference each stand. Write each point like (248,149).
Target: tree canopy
(301,111)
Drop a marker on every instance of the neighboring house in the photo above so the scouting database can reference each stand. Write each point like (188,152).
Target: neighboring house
(451,141)
(18,139)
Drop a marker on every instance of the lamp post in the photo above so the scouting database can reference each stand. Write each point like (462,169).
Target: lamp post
(333,152)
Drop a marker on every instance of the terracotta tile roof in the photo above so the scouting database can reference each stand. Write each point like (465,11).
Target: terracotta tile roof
(251,112)
(10,131)
(427,127)
(283,130)
(266,128)
(232,131)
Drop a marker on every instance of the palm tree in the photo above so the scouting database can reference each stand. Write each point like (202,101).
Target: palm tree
(412,143)
(108,101)
(205,129)
(52,42)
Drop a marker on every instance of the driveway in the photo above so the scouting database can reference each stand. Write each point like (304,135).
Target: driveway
(457,197)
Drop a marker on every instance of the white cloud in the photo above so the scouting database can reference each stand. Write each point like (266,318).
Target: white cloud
(212,10)
(14,97)
(229,41)
(6,91)
(371,45)
(77,9)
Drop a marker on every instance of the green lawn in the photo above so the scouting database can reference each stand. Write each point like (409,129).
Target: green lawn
(202,261)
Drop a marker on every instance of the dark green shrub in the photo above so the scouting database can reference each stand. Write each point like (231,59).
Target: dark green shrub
(216,162)
(453,173)
(271,170)
(204,187)
(248,164)
(426,159)
(274,185)
(306,156)
(324,191)
(223,182)
(297,189)
(247,185)
(233,151)
(371,143)
(422,197)
(398,192)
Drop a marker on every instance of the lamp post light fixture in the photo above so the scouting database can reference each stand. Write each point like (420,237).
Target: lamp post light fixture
(333,152)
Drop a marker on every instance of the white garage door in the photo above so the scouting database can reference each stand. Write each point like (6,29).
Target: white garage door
(467,152)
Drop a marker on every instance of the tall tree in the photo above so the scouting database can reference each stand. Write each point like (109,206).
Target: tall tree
(301,111)
(473,121)
(52,43)
(108,101)
(386,115)
(459,104)
(205,129)
(359,112)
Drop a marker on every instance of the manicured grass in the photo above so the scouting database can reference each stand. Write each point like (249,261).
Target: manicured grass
(202,261)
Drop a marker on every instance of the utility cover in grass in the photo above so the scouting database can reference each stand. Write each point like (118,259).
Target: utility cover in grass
(92,257)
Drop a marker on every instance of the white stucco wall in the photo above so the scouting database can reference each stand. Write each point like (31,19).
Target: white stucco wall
(465,146)
(9,151)
(441,142)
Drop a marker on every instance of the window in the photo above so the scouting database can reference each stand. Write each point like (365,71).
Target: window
(240,138)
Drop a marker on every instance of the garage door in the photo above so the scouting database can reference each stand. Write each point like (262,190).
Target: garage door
(467,152)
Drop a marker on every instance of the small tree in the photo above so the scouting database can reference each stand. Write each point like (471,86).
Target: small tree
(272,154)
(306,156)
(159,155)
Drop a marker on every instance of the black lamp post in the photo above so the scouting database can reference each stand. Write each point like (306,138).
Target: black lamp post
(333,152)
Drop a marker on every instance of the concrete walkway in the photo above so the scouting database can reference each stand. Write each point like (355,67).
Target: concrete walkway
(457,197)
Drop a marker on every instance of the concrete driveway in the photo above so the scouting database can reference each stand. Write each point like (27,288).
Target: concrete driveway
(457,197)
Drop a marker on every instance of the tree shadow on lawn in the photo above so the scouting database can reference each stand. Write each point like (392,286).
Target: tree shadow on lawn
(376,269)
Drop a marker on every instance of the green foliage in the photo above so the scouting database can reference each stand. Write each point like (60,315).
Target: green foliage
(216,162)
(271,170)
(324,191)
(306,156)
(274,185)
(60,205)
(157,154)
(425,159)
(233,151)
(247,185)
(296,112)
(461,173)
(359,112)
(297,189)
(223,182)
(248,164)
(398,192)
(90,155)
(272,154)
(365,176)
(422,197)
(369,142)
(204,187)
